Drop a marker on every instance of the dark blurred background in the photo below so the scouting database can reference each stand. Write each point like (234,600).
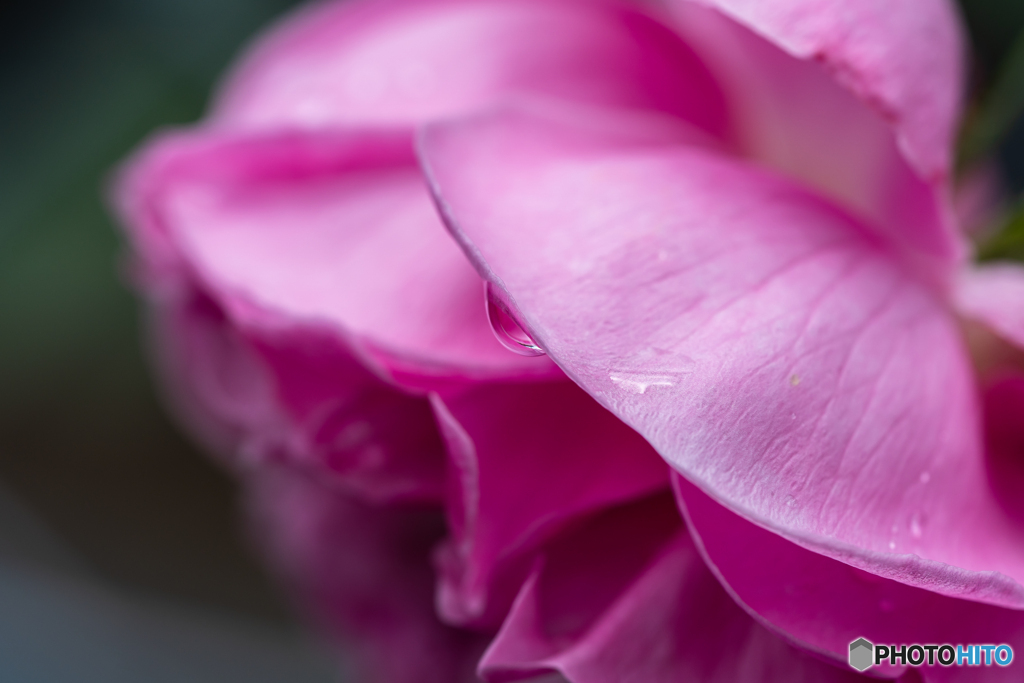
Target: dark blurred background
(121,554)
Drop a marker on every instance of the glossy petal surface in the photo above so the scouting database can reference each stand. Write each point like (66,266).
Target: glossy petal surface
(767,346)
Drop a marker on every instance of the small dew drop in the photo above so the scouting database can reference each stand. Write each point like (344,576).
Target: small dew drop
(794,380)
(639,383)
(790,501)
(917,525)
(505,327)
(925,477)
(892,545)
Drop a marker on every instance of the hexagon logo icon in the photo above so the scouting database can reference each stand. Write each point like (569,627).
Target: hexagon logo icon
(861,651)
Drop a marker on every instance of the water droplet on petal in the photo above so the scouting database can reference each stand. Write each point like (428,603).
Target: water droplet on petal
(504,325)
(892,545)
(790,501)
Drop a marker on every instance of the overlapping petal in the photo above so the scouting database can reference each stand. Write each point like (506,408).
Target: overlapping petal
(766,344)
(295,397)
(905,59)
(824,605)
(526,460)
(627,598)
(294,227)
(402,62)
(784,67)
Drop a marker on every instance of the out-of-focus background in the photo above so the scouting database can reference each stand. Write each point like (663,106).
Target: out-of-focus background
(121,553)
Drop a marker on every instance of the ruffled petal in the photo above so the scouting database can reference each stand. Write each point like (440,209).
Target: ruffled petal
(627,598)
(759,338)
(823,605)
(363,573)
(526,460)
(332,229)
(783,68)
(401,62)
(904,59)
(295,397)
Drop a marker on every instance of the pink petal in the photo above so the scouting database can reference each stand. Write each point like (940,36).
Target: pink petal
(904,59)
(824,605)
(401,62)
(994,295)
(756,336)
(526,459)
(627,598)
(363,573)
(779,63)
(332,229)
(297,397)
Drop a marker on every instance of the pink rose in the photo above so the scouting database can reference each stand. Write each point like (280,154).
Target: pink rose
(778,410)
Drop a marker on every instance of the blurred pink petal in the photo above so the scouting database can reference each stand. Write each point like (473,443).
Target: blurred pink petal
(994,295)
(292,228)
(768,346)
(401,62)
(363,572)
(526,459)
(626,597)
(294,396)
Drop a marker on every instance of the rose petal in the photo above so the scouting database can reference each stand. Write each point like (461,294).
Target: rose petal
(332,229)
(794,115)
(824,605)
(905,59)
(526,459)
(760,339)
(362,572)
(404,61)
(296,397)
(627,598)
(994,295)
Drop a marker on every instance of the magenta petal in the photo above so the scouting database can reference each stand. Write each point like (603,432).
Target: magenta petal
(400,62)
(994,295)
(759,338)
(905,59)
(331,229)
(794,115)
(824,605)
(526,459)
(295,397)
(627,598)
(363,573)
